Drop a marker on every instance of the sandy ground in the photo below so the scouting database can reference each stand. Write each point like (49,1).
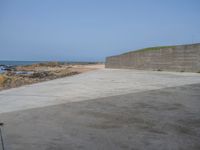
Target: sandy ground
(85,68)
(81,68)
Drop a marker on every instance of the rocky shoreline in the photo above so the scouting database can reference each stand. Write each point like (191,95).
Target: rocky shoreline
(15,76)
(4,68)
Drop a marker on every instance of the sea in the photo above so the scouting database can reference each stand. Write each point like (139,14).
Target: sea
(18,63)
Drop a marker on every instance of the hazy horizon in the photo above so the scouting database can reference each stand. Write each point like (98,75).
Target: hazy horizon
(88,30)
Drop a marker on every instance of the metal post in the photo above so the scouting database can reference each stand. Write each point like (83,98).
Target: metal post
(1,136)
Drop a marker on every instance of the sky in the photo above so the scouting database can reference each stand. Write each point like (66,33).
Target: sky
(90,30)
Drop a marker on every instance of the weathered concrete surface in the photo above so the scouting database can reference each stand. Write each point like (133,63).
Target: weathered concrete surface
(90,85)
(178,58)
(165,119)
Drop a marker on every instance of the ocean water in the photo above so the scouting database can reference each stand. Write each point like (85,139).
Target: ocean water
(18,63)
(1,69)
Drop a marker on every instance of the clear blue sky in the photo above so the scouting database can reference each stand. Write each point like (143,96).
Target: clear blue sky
(90,30)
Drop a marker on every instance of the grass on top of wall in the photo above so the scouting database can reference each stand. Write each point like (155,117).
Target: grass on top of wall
(150,49)
(155,48)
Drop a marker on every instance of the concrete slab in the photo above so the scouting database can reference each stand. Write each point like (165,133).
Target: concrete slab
(164,119)
(90,85)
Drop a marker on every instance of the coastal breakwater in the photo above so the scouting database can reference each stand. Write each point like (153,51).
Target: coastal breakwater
(183,58)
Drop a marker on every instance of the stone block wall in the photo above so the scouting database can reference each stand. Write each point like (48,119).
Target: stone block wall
(174,58)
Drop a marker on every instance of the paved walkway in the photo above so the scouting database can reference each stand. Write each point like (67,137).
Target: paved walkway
(90,85)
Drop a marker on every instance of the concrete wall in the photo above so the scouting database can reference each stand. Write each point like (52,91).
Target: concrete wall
(178,58)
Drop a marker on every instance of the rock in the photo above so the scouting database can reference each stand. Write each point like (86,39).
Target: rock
(2,80)
(39,75)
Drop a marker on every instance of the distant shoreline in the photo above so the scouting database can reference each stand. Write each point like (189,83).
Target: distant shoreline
(24,63)
(15,76)
(11,65)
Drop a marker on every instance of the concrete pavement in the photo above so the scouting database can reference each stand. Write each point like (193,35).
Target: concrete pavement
(164,119)
(90,85)
(105,109)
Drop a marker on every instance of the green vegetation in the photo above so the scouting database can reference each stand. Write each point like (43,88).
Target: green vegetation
(151,48)
(155,48)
